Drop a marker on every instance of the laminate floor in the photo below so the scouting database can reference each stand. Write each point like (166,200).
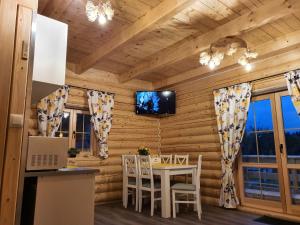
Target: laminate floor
(115,214)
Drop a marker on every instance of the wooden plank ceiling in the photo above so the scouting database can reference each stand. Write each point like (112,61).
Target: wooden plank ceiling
(160,40)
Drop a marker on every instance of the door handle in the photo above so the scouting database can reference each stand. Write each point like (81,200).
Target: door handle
(281,148)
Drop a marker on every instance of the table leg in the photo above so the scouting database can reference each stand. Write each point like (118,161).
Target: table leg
(165,194)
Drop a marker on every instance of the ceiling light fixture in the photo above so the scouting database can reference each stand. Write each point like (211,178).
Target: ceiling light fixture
(228,46)
(103,11)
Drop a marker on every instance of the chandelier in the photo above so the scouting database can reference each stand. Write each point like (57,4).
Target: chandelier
(103,11)
(228,46)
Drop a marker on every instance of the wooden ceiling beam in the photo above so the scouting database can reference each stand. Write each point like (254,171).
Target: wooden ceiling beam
(56,8)
(160,14)
(271,48)
(192,46)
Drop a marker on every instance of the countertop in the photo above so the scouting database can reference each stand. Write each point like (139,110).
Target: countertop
(61,172)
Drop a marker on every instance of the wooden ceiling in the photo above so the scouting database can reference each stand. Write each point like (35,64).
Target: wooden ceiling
(160,40)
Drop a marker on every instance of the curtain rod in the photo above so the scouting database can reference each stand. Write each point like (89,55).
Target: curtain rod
(86,89)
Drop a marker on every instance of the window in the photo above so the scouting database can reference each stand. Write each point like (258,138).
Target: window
(269,166)
(76,124)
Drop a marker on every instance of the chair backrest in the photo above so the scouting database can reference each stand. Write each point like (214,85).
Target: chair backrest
(130,165)
(145,167)
(198,175)
(166,159)
(181,159)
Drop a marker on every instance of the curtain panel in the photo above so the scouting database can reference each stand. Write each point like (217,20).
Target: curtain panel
(231,105)
(101,106)
(50,111)
(293,84)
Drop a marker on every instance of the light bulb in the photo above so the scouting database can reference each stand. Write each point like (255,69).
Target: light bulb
(211,65)
(66,115)
(102,19)
(248,67)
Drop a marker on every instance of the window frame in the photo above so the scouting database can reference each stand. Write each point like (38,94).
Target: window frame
(72,128)
(276,206)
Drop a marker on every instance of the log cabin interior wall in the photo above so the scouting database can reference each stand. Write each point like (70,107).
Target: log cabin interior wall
(128,132)
(156,45)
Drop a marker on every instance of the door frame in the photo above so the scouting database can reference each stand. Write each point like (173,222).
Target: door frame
(290,208)
(275,206)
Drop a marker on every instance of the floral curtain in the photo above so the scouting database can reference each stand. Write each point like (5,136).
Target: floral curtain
(101,105)
(231,105)
(293,84)
(50,111)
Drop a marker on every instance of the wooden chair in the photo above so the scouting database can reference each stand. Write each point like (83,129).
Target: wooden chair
(193,189)
(168,159)
(130,177)
(181,159)
(146,182)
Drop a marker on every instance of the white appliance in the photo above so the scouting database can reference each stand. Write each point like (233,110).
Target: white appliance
(50,50)
(47,153)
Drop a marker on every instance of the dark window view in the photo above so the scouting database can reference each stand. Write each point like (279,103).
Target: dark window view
(63,130)
(294,176)
(258,142)
(261,183)
(291,122)
(83,132)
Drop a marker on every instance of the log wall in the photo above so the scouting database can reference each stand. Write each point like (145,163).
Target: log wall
(128,132)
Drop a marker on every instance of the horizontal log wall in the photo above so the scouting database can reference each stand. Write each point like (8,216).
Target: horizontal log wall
(128,132)
(193,130)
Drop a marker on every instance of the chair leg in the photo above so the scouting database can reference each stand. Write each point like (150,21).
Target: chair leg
(126,198)
(152,203)
(133,198)
(136,199)
(198,203)
(140,200)
(174,204)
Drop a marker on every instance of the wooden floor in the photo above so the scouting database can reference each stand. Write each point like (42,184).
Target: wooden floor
(115,214)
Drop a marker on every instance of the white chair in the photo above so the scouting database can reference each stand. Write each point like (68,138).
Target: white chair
(130,177)
(181,159)
(167,159)
(146,182)
(193,189)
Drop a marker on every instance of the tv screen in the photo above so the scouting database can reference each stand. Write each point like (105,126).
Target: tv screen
(155,102)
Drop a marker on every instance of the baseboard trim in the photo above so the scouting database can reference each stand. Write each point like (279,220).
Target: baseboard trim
(270,213)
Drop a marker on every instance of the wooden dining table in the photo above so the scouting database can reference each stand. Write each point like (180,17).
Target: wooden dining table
(165,171)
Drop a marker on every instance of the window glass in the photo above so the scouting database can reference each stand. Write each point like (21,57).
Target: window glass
(63,130)
(258,141)
(261,183)
(83,132)
(291,123)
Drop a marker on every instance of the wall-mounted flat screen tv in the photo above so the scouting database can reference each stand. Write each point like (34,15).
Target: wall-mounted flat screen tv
(155,102)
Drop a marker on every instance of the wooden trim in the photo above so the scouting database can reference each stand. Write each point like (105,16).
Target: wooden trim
(16,136)
(193,46)
(268,212)
(8,12)
(161,13)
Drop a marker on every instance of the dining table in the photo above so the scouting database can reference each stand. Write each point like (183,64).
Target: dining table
(165,171)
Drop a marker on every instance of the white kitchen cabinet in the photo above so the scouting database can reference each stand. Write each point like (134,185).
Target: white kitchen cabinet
(49,67)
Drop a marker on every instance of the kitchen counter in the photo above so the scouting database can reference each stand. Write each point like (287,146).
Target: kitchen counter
(63,196)
(62,172)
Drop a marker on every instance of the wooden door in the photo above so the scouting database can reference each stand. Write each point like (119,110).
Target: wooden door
(260,171)
(289,137)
